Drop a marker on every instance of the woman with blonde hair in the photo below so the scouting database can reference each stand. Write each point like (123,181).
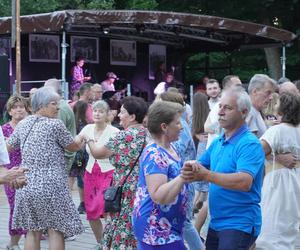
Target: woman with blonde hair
(123,150)
(98,172)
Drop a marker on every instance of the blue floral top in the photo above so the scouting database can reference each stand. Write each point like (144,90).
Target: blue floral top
(156,224)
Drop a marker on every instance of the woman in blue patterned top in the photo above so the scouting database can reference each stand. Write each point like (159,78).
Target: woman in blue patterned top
(161,197)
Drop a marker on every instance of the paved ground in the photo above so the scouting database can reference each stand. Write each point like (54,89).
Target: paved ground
(84,241)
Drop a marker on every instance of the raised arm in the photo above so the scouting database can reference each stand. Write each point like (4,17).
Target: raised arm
(161,191)
(98,152)
(78,144)
(193,171)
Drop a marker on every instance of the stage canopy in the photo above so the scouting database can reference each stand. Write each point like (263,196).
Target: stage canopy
(184,31)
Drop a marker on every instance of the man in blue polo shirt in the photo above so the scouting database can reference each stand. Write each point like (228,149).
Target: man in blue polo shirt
(233,165)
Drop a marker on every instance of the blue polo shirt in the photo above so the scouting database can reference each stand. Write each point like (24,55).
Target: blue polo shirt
(231,209)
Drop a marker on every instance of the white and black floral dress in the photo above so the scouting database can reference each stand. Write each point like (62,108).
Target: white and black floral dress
(46,202)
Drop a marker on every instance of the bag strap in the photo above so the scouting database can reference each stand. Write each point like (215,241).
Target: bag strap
(29,132)
(135,162)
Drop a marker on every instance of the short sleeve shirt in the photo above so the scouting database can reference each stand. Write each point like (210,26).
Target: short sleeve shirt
(4,158)
(156,224)
(255,122)
(232,209)
(185,145)
(283,138)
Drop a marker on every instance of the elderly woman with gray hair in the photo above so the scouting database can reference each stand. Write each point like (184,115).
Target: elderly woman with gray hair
(45,204)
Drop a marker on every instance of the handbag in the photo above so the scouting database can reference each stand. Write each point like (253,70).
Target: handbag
(113,194)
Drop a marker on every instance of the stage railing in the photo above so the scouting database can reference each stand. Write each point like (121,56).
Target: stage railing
(64,85)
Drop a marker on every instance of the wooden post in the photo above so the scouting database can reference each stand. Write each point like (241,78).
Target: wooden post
(18,49)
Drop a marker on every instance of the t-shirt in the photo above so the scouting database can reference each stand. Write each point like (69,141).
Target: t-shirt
(213,117)
(232,209)
(255,122)
(107,86)
(283,138)
(212,102)
(108,132)
(160,88)
(66,115)
(4,158)
(185,145)
(156,224)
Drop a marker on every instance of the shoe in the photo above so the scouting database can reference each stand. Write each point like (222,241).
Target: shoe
(43,237)
(97,247)
(71,238)
(14,247)
(81,208)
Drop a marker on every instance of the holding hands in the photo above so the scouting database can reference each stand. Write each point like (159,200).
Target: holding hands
(194,171)
(80,140)
(14,177)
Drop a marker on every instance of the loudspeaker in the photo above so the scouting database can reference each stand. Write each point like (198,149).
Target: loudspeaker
(4,74)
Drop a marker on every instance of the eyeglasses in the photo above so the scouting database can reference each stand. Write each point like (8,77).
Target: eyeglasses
(54,103)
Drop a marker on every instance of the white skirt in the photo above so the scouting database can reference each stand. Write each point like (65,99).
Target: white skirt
(280,210)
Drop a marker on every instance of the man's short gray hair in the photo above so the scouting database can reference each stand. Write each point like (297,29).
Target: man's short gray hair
(42,97)
(55,84)
(258,81)
(96,86)
(243,100)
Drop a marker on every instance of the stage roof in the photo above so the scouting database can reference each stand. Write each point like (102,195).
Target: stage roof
(189,32)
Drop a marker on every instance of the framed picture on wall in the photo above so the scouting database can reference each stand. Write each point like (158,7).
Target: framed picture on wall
(86,47)
(44,48)
(157,56)
(5,46)
(122,52)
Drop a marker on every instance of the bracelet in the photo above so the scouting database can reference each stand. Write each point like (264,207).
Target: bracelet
(89,140)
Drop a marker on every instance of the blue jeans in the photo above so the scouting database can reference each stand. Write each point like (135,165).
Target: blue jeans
(229,240)
(191,236)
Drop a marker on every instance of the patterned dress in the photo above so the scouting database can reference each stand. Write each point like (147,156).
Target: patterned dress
(15,160)
(77,73)
(46,202)
(156,224)
(126,146)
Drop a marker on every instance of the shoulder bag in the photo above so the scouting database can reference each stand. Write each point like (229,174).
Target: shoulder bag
(113,194)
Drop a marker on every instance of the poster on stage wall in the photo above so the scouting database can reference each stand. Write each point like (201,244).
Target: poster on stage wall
(157,55)
(122,52)
(86,47)
(44,48)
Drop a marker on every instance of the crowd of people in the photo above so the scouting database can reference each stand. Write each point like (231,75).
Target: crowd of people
(222,174)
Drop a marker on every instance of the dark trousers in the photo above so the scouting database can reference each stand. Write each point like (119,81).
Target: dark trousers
(229,240)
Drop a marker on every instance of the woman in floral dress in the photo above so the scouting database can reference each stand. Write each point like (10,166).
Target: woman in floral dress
(45,203)
(17,109)
(162,194)
(123,150)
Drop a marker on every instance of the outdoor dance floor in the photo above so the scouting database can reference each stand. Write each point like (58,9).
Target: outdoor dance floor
(84,241)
